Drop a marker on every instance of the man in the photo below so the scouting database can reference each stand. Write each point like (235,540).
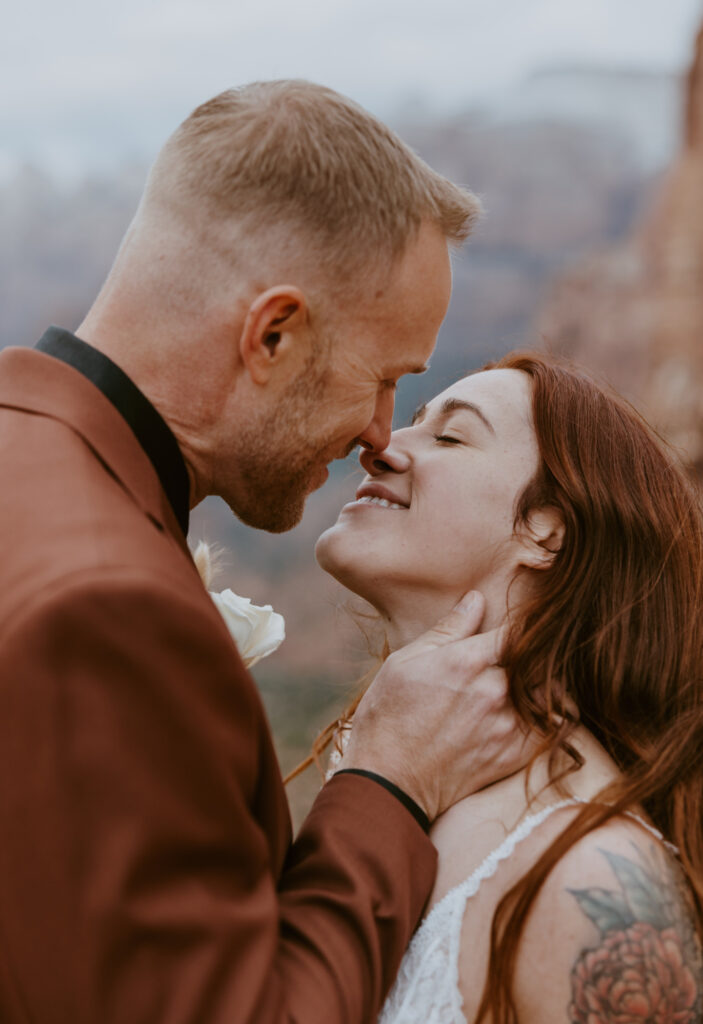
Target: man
(287,264)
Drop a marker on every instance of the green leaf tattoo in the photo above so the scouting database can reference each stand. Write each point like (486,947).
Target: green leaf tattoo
(606,909)
(646,967)
(640,890)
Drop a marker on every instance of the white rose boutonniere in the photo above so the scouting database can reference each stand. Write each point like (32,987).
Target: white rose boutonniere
(257,630)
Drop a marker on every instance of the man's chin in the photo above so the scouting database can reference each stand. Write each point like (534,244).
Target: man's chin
(272,518)
(276,511)
(319,479)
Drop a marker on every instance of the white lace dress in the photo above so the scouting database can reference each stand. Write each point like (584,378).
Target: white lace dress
(426,990)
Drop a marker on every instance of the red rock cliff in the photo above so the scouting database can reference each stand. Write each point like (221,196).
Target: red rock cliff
(635,313)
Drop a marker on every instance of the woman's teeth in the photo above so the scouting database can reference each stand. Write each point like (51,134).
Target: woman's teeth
(368,500)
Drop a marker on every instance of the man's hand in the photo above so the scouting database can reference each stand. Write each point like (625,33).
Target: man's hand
(436,721)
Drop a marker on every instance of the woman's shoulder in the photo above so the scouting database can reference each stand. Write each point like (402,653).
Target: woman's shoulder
(613,917)
(611,935)
(516,807)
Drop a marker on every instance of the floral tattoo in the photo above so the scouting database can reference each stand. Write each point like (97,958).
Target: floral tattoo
(646,967)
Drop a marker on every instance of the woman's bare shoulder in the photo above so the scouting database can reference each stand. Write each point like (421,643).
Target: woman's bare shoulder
(473,828)
(612,936)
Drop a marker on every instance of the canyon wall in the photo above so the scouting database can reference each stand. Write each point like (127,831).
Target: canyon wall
(634,312)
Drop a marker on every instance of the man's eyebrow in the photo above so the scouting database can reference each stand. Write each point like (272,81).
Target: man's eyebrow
(451,405)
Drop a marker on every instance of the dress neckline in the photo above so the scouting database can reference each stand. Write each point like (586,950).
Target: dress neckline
(489,865)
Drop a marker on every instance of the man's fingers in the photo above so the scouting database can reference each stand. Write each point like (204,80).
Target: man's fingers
(461,622)
(483,649)
(520,746)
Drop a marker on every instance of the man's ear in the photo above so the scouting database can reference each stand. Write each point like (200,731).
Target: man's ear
(275,321)
(541,536)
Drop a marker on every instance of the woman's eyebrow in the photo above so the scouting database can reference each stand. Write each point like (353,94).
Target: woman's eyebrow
(418,414)
(452,405)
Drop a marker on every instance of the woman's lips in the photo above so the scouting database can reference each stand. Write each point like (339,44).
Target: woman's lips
(367,501)
(383,493)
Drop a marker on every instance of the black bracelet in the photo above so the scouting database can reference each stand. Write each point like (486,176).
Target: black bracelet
(407,801)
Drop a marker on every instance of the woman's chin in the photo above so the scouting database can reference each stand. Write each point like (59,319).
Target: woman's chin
(335,555)
(324,550)
(340,558)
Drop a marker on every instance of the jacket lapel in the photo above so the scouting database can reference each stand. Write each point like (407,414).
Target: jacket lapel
(37,383)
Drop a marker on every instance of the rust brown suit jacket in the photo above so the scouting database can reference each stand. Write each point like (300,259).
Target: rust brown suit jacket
(147,874)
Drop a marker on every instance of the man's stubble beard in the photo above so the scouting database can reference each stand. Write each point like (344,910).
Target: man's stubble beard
(277,456)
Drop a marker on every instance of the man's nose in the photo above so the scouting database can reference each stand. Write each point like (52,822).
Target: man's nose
(377,434)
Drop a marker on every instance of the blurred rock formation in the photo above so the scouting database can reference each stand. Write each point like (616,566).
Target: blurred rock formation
(634,312)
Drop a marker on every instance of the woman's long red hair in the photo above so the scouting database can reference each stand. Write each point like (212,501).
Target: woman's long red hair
(614,626)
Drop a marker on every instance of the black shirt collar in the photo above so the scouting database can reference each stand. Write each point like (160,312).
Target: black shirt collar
(149,427)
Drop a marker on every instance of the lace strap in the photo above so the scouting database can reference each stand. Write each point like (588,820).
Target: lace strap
(652,831)
(427,989)
(488,867)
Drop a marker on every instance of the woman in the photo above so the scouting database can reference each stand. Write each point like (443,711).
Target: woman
(571,891)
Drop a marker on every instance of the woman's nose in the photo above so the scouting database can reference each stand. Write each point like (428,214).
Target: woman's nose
(393,459)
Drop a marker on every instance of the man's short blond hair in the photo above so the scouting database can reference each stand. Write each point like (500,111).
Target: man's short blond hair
(294,154)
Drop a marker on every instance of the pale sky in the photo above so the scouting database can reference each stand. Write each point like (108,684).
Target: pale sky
(91,81)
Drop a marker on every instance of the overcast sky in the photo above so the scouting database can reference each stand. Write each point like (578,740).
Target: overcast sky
(87,80)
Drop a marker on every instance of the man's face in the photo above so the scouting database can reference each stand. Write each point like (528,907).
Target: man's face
(346,396)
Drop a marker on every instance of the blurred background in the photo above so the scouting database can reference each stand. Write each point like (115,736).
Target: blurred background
(580,124)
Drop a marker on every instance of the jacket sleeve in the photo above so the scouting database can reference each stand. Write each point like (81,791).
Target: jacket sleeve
(136,881)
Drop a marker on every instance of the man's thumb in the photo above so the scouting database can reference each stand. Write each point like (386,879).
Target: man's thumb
(462,621)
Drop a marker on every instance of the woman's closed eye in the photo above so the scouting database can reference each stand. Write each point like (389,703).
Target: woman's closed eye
(447,439)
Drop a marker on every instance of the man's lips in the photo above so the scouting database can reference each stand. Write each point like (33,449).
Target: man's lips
(374,490)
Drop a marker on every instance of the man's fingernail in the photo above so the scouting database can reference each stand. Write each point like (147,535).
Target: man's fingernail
(468,601)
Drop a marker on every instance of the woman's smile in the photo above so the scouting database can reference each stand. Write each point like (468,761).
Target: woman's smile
(376,503)
(377,495)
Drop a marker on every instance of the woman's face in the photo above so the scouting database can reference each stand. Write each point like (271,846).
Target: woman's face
(435,512)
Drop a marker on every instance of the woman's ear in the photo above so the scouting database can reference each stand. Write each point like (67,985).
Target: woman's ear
(275,322)
(541,536)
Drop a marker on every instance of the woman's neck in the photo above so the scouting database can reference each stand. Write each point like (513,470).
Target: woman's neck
(529,790)
(408,613)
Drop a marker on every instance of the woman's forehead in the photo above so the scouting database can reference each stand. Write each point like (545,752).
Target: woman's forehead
(505,393)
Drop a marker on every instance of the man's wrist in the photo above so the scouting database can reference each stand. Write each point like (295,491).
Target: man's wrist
(410,805)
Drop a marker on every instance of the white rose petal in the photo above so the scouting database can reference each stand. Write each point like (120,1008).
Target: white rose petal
(257,630)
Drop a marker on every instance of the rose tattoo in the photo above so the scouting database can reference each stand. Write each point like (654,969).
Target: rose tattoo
(646,967)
